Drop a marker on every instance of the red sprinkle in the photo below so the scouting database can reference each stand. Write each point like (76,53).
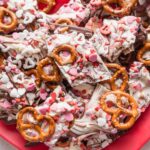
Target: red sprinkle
(53,95)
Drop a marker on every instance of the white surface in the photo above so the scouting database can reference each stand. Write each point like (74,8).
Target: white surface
(6,146)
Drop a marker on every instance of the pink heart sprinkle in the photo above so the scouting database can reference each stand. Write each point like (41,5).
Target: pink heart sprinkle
(73,71)
(31,87)
(43,96)
(53,95)
(15,35)
(5,105)
(69,117)
(131,19)
(43,109)
(93,58)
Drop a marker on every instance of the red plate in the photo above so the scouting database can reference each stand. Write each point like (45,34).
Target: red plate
(132,140)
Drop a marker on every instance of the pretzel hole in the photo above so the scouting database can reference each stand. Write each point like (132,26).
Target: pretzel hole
(32,133)
(111,101)
(65,55)
(146,55)
(6,19)
(116,6)
(125,103)
(29,118)
(48,69)
(124,118)
(119,80)
(44,125)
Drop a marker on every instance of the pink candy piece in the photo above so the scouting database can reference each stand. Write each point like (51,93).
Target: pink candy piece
(137,87)
(15,35)
(31,87)
(93,58)
(5,105)
(69,117)
(131,19)
(105,30)
(43,109)
(43,94)
(73,71)
(53,95)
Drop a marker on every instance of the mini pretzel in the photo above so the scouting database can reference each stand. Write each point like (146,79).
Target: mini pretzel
(120,71)
(55,76)
(36,74)
(23,126)
(141,53)
(116,112)
(7,27)
(65,47)
(49,3)
(64,21)
(125,5)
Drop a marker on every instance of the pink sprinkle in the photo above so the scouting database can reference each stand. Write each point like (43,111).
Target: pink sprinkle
(42,90)
(137,87)
(93,58)
(43,95)
(31,87)
(69,117)
(105,30)
(73,71)
(50,101)
(131,19)
(15,35)
(143,109)
(43,109)
(53,95)
(5,105)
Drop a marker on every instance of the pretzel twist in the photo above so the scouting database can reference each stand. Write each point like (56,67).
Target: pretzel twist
(6,28)
(49,5)
(64,47)
(120,71)
(54,76)
(116,112)
(125,5)
(141,52)
(23,126)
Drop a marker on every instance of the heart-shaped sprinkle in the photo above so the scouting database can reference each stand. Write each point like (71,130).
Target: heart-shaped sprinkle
(43,109)
(69,117)
(93,58)
(43,95)
(53,95)
(31,87)
(73,71)
(131,19)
